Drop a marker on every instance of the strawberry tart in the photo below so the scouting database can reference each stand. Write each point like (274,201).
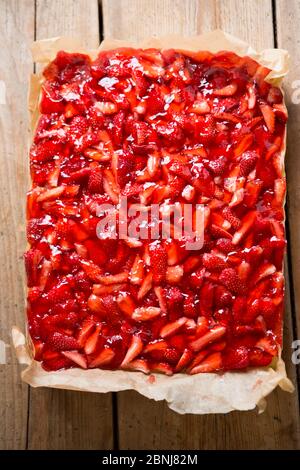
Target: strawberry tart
(158,128)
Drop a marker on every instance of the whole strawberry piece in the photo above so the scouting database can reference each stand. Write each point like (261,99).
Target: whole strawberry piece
(158,261)
(231,280)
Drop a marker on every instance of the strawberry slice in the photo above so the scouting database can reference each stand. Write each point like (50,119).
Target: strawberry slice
(213,262)
(269,116)
(210,364)
(171,328)
(61,342)
(189,306)
(218,166)
(57,363)
(236,358)
(139,365)
(213,335)
(248,163)
(126,304)
(158,262)
(162,368)
(76,357)
(92,341)
(145,313)
(231,280)
(87,328)
(95,180)
(184,360)
(246,224)
(104,358)
(32,259)
(135,348)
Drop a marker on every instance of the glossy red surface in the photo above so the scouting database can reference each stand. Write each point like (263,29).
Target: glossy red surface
(158,128)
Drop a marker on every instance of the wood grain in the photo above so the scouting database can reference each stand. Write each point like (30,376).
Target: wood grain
(288,37)
(60,419)
(135,19)
(145,424)
(16,32)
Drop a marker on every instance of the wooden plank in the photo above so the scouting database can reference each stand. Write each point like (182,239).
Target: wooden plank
(135,19)
(63,419)
(75,18)
(145,424)
(16,32)
(288,37)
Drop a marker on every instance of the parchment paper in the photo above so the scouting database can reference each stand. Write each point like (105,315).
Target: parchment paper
(197,394)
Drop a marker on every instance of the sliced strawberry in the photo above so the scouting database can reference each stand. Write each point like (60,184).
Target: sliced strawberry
(57,363)
(247,163)
(237,358)
(95,181)
(76,357)
(45,151)
(173,327)
(32,259)
(61,342)
(125,166)
(225,245)
(231,280)
(103,358)
(184,360)
(246,225)
(162,368)
(210,364)
(259,358)
(197,278)
(269,116)
(171,356)
(135,348)
(145,313)
(126,303)
(92,341)
(189,306)
(213,335)
(222,297)
(218,166)
(87,328)
(158,261)
(213,262)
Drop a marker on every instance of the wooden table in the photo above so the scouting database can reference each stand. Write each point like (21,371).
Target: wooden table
(53,419)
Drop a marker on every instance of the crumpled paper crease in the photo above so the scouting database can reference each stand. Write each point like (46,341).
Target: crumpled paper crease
(197,394)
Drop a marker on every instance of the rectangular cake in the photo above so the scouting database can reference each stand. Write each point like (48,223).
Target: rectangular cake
(140,131)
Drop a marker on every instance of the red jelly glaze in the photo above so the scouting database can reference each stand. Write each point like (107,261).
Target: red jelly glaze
(202,128)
